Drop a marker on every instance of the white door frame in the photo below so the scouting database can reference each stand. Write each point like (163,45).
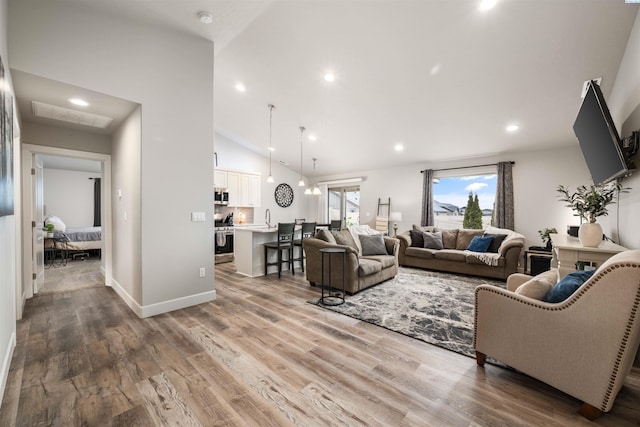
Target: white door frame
(28,150)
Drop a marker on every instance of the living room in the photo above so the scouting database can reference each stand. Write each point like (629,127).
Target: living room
(156,264)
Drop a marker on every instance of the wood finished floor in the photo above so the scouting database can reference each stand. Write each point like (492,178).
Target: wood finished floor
(258,356)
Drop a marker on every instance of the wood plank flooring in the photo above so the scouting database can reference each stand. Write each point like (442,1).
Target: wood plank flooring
(258,356)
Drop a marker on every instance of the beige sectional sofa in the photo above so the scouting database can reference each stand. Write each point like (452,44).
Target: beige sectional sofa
(455,258)
(361,270)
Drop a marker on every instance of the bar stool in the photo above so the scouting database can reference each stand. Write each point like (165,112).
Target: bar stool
(308,230)
(336,225)
(283,244)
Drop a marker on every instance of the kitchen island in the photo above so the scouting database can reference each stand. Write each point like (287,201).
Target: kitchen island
(249,248)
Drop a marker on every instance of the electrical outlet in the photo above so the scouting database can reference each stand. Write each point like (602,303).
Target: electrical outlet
(202,272)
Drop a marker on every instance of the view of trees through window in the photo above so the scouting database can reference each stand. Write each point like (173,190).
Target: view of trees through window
(464,201)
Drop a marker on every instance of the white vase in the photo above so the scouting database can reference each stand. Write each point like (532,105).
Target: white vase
(590,234)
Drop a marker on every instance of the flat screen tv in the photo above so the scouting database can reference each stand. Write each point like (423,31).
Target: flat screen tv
(598,138)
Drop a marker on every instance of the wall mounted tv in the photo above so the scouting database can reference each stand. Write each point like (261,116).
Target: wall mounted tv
(598,138)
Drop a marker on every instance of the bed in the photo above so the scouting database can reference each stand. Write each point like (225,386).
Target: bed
(81,238)
(74,239)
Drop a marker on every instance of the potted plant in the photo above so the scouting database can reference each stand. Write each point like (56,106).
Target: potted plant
(544,235)
(588,204)
(49,228)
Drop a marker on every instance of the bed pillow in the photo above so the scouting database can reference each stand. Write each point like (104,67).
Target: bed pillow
(372,244)
(496,242)
(432,240)
(568,285)
(416,239)
(58,225)
(479,244)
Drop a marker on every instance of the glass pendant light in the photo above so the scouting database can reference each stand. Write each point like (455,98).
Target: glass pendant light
(316,191)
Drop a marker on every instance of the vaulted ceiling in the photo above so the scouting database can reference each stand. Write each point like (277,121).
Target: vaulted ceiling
(443,79)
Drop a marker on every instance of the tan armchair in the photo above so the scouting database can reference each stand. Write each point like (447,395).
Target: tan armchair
(584,346)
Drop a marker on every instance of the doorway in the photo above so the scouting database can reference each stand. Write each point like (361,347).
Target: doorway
(34,272)
(344,205)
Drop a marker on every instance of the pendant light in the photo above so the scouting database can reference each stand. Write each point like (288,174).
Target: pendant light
(301,182)
(270,177)
(316,191)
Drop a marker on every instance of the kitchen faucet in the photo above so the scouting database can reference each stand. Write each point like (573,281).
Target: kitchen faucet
(267,217)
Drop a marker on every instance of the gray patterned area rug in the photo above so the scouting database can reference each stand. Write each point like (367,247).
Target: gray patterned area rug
(434,307)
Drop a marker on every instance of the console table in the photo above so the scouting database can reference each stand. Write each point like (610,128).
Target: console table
(567,251)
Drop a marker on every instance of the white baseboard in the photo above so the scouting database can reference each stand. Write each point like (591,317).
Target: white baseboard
(6,364)
(164,306)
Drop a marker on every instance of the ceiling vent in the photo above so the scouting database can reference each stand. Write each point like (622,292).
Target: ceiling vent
(72,116)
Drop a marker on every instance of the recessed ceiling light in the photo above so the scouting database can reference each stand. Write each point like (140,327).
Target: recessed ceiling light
(79,102)
(312,137)
(240,87)
(398,147)
(272,149)
(487,4)
(330,77)
(512,128)
(205,17)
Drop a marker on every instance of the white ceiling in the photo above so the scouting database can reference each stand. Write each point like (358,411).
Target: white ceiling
(440,77)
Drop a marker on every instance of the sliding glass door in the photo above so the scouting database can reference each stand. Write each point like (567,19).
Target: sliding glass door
(344,205)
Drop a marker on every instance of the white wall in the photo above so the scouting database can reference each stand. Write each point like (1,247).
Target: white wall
(624,99)
(125,177)
(7,249)
(234,156)
(148,65)
(71,139)
(536,176)
(69,196)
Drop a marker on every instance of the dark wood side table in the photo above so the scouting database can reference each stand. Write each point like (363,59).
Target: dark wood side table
(52,247)
(337,296)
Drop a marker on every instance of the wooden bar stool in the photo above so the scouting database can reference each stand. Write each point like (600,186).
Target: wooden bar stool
(308,230)
(284,244)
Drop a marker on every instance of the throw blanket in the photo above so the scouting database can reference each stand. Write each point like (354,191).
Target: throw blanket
(488,258)
(491,258)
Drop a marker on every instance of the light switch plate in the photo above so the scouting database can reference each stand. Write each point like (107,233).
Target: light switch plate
(197,217)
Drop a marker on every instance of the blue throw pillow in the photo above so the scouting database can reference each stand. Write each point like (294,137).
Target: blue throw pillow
(480,244)
(568,285)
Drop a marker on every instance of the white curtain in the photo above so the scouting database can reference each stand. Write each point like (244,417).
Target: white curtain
(323,204)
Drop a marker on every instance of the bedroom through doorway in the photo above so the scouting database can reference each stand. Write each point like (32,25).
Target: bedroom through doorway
(71,195)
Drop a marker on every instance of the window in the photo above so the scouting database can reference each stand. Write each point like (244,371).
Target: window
(451,197)
(344,204)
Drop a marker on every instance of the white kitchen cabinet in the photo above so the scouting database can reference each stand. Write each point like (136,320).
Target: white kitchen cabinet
(233,187)
(220,178)
(243,188)
(250,190)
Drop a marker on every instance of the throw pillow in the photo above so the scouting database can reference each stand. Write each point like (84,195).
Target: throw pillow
(372,244)
(432,240)
(568,285)
(496,242)
(449,238)
(416,239)
(465,236)
(326,235)
(344,237)
(429,228)
(479,244)
(539,286)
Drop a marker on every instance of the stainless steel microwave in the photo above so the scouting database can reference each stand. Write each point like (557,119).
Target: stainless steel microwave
(221,197)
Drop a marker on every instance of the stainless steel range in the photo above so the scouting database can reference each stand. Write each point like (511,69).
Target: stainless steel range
(223,236)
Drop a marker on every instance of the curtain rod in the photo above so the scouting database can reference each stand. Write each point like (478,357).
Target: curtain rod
(465,167)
